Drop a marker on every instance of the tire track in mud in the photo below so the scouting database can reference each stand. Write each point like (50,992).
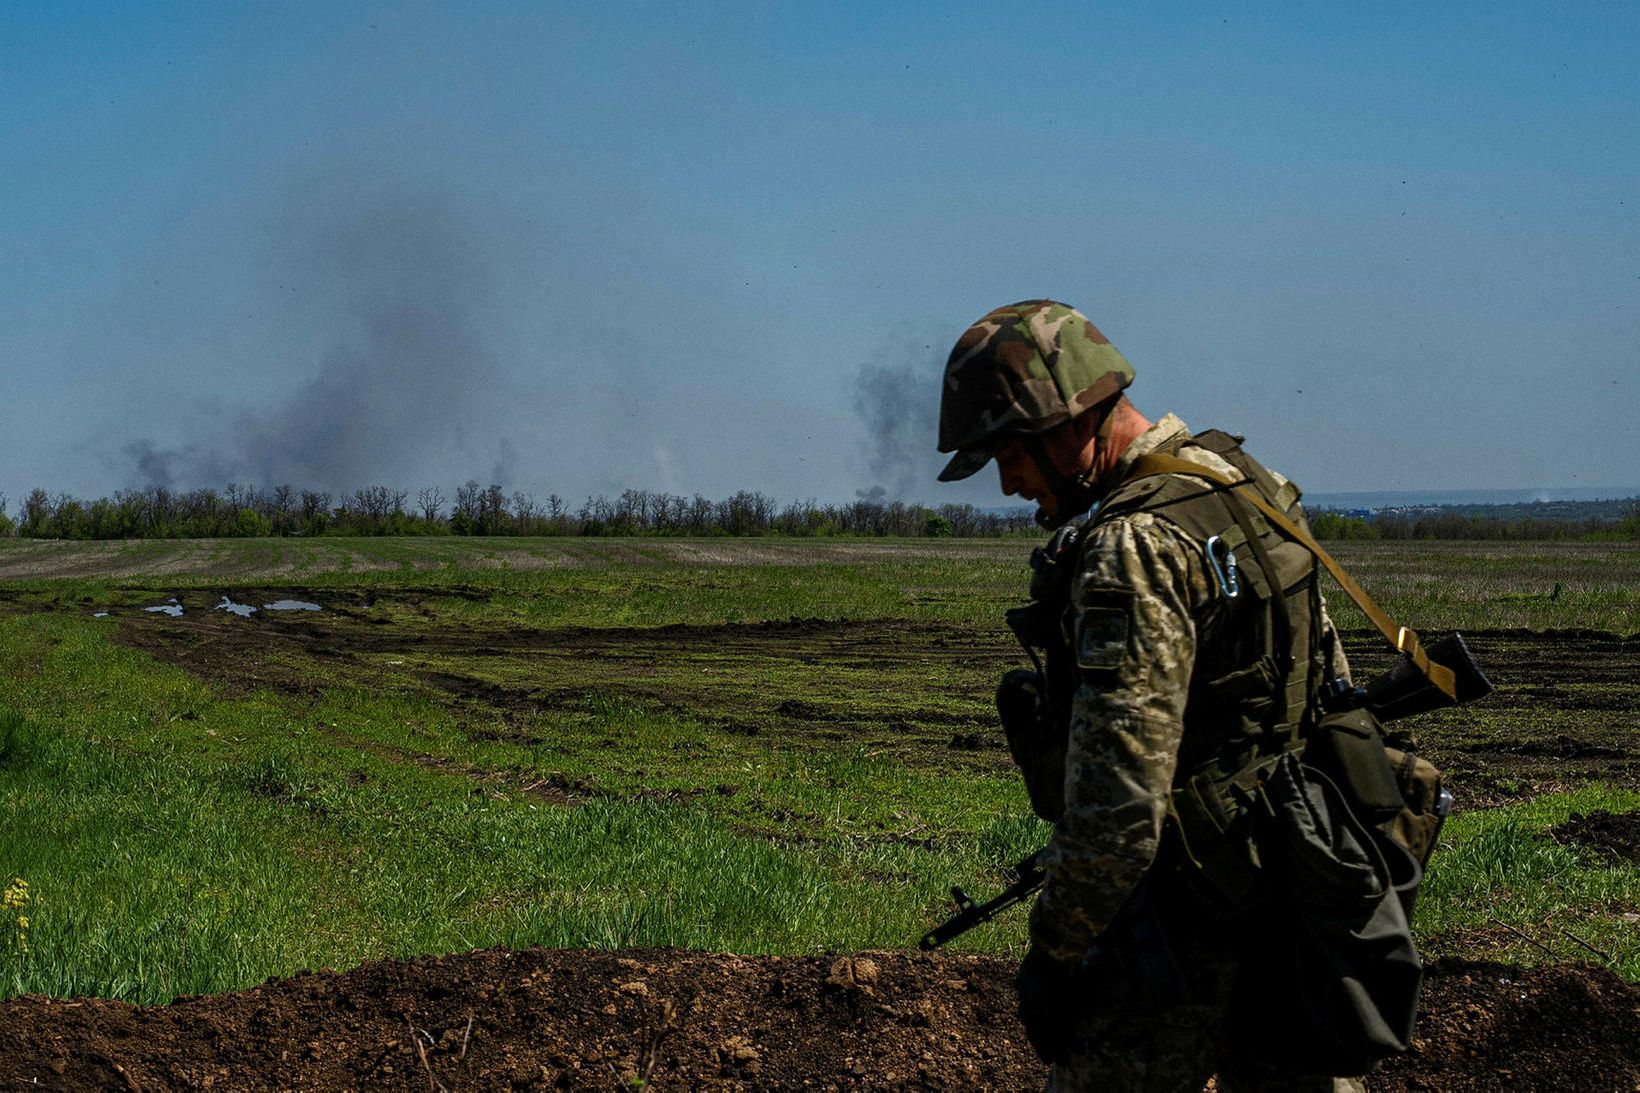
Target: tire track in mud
(775,677)
(1564,711)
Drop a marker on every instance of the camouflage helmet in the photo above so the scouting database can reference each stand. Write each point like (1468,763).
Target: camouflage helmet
(1022,369)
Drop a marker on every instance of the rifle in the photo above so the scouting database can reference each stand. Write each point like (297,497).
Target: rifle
(1028,877)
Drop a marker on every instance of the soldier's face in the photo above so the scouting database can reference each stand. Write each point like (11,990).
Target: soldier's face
(1021,476)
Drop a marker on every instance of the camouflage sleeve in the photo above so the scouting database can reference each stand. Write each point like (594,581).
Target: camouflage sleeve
(1338,665)
(1133,612)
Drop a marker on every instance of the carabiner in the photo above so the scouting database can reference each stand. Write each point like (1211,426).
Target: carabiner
(1222,561)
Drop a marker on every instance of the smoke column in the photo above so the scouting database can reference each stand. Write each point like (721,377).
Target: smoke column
(404,375)
(899,404)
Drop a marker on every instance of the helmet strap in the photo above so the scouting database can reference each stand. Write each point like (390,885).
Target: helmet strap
(1075,494)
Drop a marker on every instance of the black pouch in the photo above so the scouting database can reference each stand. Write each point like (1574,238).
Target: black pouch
(1347,747)
(1331,985)
(1037,746)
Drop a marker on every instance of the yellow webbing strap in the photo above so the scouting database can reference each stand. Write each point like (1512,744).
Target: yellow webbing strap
(1401,637)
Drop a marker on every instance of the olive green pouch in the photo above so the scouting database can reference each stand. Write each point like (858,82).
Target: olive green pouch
(1418,825)
(1347,747)
(1392,790)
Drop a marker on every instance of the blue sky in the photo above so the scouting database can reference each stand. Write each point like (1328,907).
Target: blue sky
(580,248)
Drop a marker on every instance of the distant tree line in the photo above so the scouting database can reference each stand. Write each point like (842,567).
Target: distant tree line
(1609,509)
(1452,525)
(157,512)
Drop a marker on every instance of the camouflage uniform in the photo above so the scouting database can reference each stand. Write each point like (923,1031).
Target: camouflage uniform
(1173,683)
(1151,633)
(1146,576)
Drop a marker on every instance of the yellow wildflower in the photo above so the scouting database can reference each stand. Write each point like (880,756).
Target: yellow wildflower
(15,898)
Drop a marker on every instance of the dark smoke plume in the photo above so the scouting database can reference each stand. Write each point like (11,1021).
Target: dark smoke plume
(501,473)
(899,405)
(152,466)
(192,463)
(403,372)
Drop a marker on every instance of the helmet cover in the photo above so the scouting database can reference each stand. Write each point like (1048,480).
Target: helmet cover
(1023,369)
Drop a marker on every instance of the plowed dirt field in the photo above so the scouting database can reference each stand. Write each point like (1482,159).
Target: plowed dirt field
(1563,713)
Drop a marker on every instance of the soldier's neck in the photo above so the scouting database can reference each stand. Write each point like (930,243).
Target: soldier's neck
(1122,427)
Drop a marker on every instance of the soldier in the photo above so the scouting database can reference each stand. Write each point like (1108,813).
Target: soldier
(1190,650)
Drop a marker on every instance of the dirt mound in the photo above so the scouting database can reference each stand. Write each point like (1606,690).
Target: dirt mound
(543,1018)
(1497,1027)
(1614,833)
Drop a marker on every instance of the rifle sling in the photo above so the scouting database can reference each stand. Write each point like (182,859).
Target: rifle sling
(1278,640)
(1402,638)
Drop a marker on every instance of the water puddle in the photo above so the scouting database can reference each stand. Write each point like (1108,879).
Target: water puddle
(173,607)
(99,614)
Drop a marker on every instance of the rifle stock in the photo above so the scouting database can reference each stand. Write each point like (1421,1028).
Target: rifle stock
(1404,691)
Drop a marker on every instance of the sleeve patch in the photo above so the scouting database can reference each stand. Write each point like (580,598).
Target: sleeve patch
(1101,638)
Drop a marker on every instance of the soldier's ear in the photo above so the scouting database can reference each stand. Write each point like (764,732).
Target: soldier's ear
(1095,421)
(1066,435)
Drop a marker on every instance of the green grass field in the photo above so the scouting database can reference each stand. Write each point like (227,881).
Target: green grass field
(608,743)
(1443,585)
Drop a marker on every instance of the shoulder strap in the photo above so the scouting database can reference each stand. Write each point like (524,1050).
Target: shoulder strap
(1402,638)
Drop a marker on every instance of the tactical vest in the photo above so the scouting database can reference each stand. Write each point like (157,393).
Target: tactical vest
(1259,668)
(1255,692)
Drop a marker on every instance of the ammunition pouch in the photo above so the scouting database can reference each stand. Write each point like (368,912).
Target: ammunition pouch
(1347,747)
(1035,742)
(1035,705)
(1394,791)
(1418,825)
(1214,852)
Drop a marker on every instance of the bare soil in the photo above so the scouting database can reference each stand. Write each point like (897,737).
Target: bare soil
(1616,834)
(557,1019)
